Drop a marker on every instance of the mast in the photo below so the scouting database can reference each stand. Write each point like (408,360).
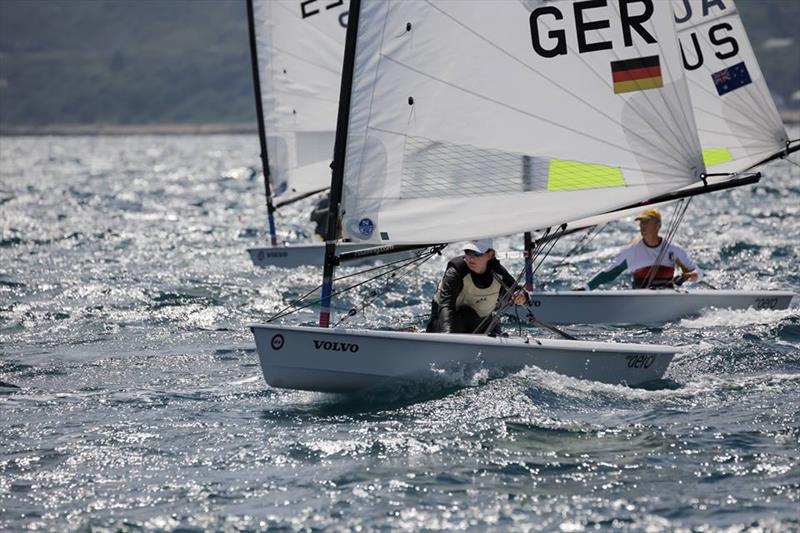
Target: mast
(339,149)
(262,134)
(528,253)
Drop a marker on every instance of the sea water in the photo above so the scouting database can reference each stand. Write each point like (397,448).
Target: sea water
(132,398)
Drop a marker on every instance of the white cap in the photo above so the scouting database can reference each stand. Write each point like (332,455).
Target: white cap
(480,246)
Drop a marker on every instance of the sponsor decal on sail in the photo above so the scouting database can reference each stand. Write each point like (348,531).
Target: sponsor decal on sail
(636,74)
(731,78)
(365,227)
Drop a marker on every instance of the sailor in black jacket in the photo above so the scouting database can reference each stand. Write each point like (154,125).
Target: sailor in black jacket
(470,290)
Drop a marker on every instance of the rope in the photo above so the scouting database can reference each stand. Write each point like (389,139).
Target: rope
(294,306)
(506,299)
(373,294)
(675,222)
(592,232)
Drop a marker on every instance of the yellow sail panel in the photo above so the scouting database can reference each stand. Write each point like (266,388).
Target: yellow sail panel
(715,156)
(574,175)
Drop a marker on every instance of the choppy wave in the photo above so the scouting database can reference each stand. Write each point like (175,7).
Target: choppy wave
(132,397)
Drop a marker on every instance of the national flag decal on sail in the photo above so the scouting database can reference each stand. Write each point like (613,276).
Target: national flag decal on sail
(636,74)
(731,78)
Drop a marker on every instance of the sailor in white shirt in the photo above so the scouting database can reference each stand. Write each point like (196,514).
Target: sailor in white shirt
(651,260)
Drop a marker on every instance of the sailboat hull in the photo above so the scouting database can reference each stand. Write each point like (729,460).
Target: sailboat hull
(642,306)
(313,254)
(340,360)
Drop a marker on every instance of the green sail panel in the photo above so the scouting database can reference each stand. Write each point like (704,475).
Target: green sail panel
(575,175)
(715,156)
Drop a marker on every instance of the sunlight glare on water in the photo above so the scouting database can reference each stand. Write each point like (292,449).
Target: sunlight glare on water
(132,397)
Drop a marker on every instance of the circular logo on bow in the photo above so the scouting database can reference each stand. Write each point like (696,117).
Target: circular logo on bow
(366,227)
(277,342)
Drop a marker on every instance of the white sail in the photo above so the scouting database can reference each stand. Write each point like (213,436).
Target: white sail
(449,99)
(737,121)
(300,47)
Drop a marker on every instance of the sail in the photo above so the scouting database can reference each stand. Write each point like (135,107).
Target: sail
(300,47)
(737,121)
(450,98)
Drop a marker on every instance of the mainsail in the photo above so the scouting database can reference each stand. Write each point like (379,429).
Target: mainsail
(737,121)
(449,96)
(299,48)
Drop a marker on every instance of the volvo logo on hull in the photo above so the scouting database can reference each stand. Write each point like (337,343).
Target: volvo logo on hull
(335,346)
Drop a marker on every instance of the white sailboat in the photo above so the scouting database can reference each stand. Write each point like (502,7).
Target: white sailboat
(296,51)
(425,82)
(739,129)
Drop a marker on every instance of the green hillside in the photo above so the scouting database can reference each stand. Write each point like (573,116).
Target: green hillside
(124,62)
(187,61)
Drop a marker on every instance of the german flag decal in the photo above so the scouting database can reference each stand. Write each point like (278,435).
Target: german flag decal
(636,74)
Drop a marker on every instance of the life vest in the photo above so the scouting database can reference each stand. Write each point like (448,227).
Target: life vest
(482,301)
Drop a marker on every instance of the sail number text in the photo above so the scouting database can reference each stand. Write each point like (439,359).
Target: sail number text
(309,8)
(766,303)
(640,361)
(556,45)
(719,36)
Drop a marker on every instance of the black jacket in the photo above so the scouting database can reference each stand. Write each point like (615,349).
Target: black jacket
(443,307)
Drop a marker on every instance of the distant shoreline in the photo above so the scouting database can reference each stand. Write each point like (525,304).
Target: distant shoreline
(129,129)
(788,117)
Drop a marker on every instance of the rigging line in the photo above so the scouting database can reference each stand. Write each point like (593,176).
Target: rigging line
(672,230)
(593,231)
(282,313)
(534,253)
(292,307)
(434,252)
(651,272)
(792,162)
(374,292)
(507,298)
(550,250)
(303,196)
(542,76)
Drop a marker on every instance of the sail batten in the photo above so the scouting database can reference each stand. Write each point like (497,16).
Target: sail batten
(450,98)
